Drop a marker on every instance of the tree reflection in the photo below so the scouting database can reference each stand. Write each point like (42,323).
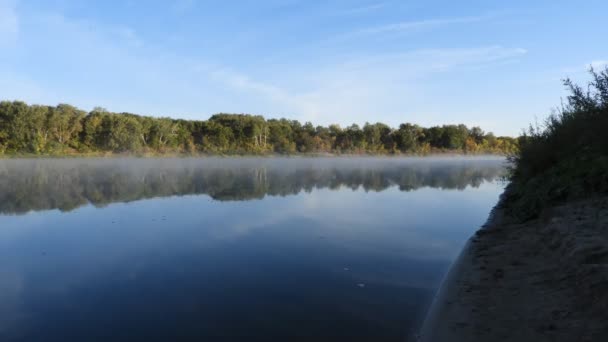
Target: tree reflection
(27,185)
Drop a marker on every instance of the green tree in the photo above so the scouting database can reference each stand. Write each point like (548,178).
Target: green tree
(163,134)
(377,137)
(281,136)
(65,124)
(38,123)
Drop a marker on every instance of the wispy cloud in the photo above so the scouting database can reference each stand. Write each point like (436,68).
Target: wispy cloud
(243,82)
(280,98)
(362,9)
(424,61)
(355,89)
(89,53)
(421,24)
(405,27)
(340,85)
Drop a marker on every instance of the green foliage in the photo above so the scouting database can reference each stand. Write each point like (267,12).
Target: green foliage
(409,137)
(64,129)
(65,124)
(567,158)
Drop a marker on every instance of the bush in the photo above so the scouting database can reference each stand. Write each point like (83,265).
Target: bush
(566,158)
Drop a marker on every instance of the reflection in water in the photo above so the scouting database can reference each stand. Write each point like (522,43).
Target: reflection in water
(68,184)
(326,263)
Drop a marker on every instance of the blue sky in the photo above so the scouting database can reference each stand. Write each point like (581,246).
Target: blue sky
(496,64)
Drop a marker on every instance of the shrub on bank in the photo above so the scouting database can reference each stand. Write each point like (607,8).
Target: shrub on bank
(567,157)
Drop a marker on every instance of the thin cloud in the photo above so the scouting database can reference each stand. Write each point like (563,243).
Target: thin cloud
(421,24)
(362,9)
(355,89)
(274,94)
(344,88)
(433,60)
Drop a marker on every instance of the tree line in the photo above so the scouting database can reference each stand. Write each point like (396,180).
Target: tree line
(65,129)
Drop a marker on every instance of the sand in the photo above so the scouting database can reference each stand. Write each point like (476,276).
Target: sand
(543,280)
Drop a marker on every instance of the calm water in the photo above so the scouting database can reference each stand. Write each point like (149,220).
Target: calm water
(348,249)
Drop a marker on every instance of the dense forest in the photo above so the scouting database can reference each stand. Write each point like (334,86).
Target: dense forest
(565,158)
(68,184)
(64,129)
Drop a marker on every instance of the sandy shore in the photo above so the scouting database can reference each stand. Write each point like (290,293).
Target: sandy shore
(544,280)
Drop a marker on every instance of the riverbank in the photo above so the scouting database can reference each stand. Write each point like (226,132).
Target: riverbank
(542,280)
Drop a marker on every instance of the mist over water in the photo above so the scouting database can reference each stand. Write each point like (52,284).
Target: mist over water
(336,249)
(68,184)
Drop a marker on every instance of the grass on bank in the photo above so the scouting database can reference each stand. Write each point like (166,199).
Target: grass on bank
(567,157)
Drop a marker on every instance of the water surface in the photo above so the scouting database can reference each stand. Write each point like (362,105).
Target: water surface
(348,249)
